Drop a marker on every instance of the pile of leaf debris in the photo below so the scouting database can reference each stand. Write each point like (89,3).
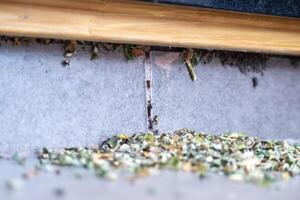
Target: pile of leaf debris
(236,155)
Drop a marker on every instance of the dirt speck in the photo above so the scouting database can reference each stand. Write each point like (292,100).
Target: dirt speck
(254,82)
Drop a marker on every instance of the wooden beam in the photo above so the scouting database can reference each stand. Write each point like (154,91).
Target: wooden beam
(151,24)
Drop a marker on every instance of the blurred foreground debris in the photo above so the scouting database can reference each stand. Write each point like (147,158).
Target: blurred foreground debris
(236,155)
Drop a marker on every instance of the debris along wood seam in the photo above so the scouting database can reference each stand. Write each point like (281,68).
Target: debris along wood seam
(148,23)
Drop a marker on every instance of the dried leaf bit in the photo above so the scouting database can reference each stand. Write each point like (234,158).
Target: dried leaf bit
(16,41)
(134,51)
(188,58)
(95,52)
(70,49)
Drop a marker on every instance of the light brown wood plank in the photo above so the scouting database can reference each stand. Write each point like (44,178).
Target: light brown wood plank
(152,24)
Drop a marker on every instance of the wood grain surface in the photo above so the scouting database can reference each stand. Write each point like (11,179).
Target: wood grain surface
(140,22)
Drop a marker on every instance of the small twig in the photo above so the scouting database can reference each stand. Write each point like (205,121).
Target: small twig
(188,55)
(191,70)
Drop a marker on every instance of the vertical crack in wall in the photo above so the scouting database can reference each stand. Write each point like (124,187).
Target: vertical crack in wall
(148,87)
(152,120)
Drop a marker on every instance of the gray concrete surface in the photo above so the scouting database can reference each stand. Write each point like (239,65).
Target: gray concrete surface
(223,99)
(163,186)
(43,103)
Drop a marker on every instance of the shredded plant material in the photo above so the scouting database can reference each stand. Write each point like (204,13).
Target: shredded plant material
(236,155)
(95,52)
(70,49)
(133,51)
